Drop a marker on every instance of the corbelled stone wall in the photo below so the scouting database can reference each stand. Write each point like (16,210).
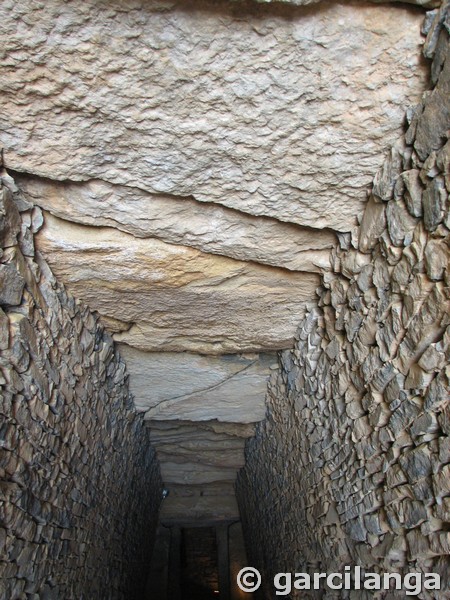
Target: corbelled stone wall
(352,465)
(80,485)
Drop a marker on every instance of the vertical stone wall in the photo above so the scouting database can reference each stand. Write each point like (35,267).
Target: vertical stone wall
(80,487)
(352,465)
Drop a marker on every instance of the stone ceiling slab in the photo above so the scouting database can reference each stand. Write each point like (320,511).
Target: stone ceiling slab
(205,226)
(186,386)
(196,473)
(175,298)
(199,508)
(160,430)
(278,111)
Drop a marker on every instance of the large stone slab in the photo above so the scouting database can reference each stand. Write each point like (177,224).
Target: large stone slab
(205,226)
(173,297)
(186,386)
(198,508)
(161,429)
(199,458)
(277,111)
(196,473)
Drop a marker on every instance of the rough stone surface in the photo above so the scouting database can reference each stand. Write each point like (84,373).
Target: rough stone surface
(70,442)
(351,466)
(176,298)
(277,111)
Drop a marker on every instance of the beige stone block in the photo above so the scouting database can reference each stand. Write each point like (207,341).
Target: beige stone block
(208,227)
(173,297)
(199,388)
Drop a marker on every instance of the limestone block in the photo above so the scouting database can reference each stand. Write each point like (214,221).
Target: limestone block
(385,179)
(199,508)
(361,428)
(356,529)
(418,545)
(174,297)
(417,378)
(381,274)
(364,278)
(213,457)
(425,424)
(352,324)
(441,482)
(414,295)
(432,359)
(188,473)
(425,327)
(440,543)
(172,430)
(405,414)
(205,226)
(352,262)
(198,388)
(443,159)
(26,242)
(437,396)
(4,330)
(264,111)
(424,3)
(416,463)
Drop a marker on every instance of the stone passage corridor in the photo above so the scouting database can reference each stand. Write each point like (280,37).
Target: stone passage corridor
(224,298)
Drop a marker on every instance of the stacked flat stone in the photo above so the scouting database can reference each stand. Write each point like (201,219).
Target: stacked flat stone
(352,465)
(80,486)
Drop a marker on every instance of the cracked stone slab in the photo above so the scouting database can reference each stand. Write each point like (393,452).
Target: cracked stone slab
(191,387)
(274,111)
(175,298)
(205,226)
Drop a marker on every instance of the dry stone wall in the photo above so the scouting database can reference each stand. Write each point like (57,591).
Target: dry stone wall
(80,487)
(352,465)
